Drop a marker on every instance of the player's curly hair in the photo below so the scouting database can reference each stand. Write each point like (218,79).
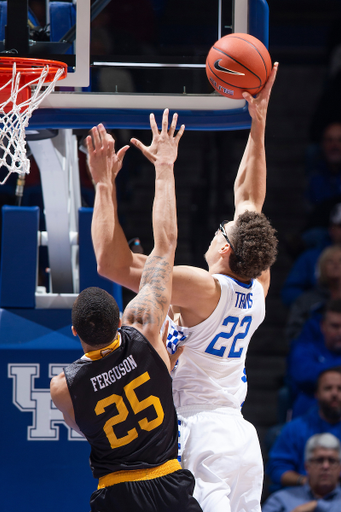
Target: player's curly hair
(95,316)
(255,245)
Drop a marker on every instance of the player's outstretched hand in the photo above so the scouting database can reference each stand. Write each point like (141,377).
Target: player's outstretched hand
(164,146)
(258,105)
(104,163)
(172,357)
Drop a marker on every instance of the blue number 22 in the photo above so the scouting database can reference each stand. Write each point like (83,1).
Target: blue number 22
(226,335)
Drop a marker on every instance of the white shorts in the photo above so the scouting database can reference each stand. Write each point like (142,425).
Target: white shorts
(222,450)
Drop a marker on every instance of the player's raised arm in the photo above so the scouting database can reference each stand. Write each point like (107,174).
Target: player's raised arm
(147,311)
(250,183)
(115,260)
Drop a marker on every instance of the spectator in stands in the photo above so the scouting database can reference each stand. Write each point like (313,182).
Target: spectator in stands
(286,458)
(316,349)
(303,274)
(325,178)
(328,287)
(321,492)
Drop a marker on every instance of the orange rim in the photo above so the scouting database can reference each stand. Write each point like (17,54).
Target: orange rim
(31,67)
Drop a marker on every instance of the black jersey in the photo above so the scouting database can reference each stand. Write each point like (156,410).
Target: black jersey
(123,404)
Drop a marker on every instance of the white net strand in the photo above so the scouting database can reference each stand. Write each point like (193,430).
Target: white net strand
(13,123)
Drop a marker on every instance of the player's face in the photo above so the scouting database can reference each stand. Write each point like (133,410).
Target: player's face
(218,242)
(323,470)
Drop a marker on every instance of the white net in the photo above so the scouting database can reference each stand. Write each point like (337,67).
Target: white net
(15,115)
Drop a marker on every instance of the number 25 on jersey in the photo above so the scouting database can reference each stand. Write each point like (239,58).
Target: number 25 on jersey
(122,412)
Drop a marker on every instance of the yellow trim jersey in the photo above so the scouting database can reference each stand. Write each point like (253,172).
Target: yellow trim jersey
(122,399)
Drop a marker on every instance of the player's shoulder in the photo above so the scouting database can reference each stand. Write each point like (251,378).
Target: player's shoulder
(195,289)
(59,389)
(189,272)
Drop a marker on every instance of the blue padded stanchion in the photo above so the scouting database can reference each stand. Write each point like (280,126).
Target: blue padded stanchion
(62,18)
(19,256)
(88,275)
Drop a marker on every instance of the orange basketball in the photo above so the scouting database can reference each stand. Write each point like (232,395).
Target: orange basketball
(237,63)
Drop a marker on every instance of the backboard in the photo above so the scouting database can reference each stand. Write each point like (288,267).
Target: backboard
(128,58)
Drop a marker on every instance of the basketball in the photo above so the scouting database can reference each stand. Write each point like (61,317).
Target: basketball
(237,63)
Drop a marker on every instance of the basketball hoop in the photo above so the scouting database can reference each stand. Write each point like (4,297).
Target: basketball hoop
(24,83)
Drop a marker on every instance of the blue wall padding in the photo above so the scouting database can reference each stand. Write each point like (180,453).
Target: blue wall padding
(259,20)
(19,254)
(88,275)
(38,339)
(3,19)
(62,18)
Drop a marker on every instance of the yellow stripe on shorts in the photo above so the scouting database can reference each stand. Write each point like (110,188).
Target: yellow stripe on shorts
(135,475)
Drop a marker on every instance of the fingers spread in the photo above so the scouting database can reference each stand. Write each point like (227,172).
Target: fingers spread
(180,132)
(165,120)
(121,153)
(137,143)
(153,125)
(173,124)
(96,138)
(89,143)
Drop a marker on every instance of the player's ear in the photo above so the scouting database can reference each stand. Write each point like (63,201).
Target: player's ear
(120,323)
(225,249)
(74,332)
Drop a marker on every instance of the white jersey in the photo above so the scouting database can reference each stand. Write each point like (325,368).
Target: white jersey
(211,370)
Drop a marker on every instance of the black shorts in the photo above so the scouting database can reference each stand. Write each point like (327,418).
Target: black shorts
(169,493)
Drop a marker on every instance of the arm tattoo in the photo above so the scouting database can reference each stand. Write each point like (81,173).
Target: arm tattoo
(156,272)
(148,307)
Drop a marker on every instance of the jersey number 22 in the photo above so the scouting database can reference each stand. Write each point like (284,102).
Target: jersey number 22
(231,322)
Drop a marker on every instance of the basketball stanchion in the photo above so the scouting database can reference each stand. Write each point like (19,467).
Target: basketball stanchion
(24,83)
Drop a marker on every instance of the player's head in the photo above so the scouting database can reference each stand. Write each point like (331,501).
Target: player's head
(95,316)
(253,243)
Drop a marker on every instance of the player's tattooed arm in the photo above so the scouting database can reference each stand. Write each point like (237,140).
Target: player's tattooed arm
(149,307)
(148,310)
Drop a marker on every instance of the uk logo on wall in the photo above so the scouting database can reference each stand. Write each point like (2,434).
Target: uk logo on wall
(46,418)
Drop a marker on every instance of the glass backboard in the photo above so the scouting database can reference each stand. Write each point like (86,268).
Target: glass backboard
(125,57)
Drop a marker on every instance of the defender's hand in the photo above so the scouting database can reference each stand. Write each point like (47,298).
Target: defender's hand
(164,146)
(104,163)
